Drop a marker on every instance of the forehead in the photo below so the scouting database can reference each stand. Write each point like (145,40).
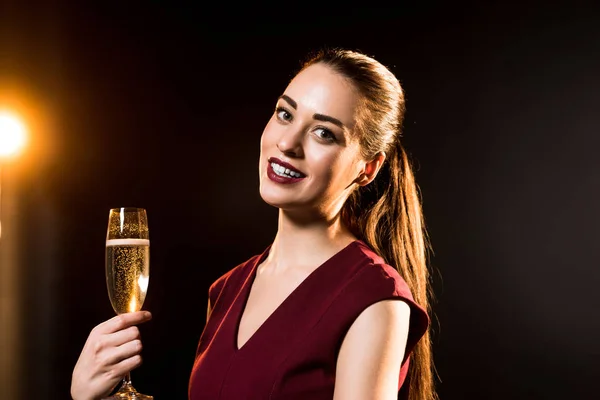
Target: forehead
(319,89)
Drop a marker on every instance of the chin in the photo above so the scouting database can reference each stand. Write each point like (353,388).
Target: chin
(279,200)
(273,199)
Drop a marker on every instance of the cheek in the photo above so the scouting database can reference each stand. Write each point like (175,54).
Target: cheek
(327,163)
(341,170)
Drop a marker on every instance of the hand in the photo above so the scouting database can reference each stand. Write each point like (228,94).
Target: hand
(112,350)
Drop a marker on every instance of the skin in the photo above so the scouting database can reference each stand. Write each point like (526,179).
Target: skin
(112,349)
(310,231)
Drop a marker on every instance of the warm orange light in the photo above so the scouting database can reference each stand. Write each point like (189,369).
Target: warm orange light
(132,304)
(12,134)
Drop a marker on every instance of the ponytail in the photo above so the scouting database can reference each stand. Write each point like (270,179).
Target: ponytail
(386,214)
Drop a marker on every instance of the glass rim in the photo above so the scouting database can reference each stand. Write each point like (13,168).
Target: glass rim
(127,209)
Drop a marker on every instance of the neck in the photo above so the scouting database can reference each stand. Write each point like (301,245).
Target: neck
(307,243)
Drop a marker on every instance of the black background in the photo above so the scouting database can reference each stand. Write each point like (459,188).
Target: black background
(159,105)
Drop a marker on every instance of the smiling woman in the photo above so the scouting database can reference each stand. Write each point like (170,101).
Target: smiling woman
(336,307)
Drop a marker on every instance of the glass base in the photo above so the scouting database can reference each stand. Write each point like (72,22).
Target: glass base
(128,392)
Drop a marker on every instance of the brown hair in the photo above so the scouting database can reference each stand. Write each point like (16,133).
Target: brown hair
(386,214)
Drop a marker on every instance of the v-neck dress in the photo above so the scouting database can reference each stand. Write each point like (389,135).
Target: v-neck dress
(293,354)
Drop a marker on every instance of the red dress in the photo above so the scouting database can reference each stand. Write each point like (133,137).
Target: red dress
(293,354)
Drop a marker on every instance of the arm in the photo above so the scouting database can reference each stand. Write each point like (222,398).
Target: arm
(368,365)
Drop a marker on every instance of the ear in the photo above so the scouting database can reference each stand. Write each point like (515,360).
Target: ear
(370,169)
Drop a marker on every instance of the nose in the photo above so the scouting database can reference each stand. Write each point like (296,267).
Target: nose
(290,142)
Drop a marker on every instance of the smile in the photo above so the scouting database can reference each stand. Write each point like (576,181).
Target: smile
(284,172)
(281,172)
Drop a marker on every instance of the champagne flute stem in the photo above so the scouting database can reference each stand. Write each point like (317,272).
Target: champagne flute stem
(126,387)
(127,379)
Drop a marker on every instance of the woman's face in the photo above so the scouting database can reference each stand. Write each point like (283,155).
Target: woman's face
(309,155)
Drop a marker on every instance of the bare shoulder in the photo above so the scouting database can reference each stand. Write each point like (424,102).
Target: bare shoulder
(378,323)
(390,310)
(371,354)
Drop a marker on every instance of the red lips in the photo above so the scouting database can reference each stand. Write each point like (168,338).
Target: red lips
(286,165)
(283,179)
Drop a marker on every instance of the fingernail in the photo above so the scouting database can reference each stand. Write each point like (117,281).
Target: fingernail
(147,314)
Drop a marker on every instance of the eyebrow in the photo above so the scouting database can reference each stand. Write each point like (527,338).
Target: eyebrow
(318,117)
(290,101)
(327,118)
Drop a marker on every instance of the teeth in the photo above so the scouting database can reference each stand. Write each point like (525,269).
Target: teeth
(285,172)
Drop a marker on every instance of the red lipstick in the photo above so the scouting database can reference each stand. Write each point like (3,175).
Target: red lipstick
(283,179)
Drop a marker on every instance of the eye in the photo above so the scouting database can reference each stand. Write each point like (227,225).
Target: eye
(283,114)
(325,134)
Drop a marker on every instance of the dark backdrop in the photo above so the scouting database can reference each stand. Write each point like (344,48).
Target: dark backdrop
(162,106)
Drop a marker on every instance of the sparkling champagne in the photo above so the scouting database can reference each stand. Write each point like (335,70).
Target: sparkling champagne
(127,273)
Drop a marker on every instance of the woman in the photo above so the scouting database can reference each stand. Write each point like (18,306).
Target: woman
(321,313)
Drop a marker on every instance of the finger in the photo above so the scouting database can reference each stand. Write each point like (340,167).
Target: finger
(127,350)
(123,321)
(120,337)
(126,365)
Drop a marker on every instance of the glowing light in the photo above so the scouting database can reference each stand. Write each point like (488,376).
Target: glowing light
(12,134)
(132,304)
(143,283)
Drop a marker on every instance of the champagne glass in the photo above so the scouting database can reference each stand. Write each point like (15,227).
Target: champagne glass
(127,271)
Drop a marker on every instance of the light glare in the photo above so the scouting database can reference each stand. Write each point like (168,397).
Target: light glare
(132,304)
(12,134)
